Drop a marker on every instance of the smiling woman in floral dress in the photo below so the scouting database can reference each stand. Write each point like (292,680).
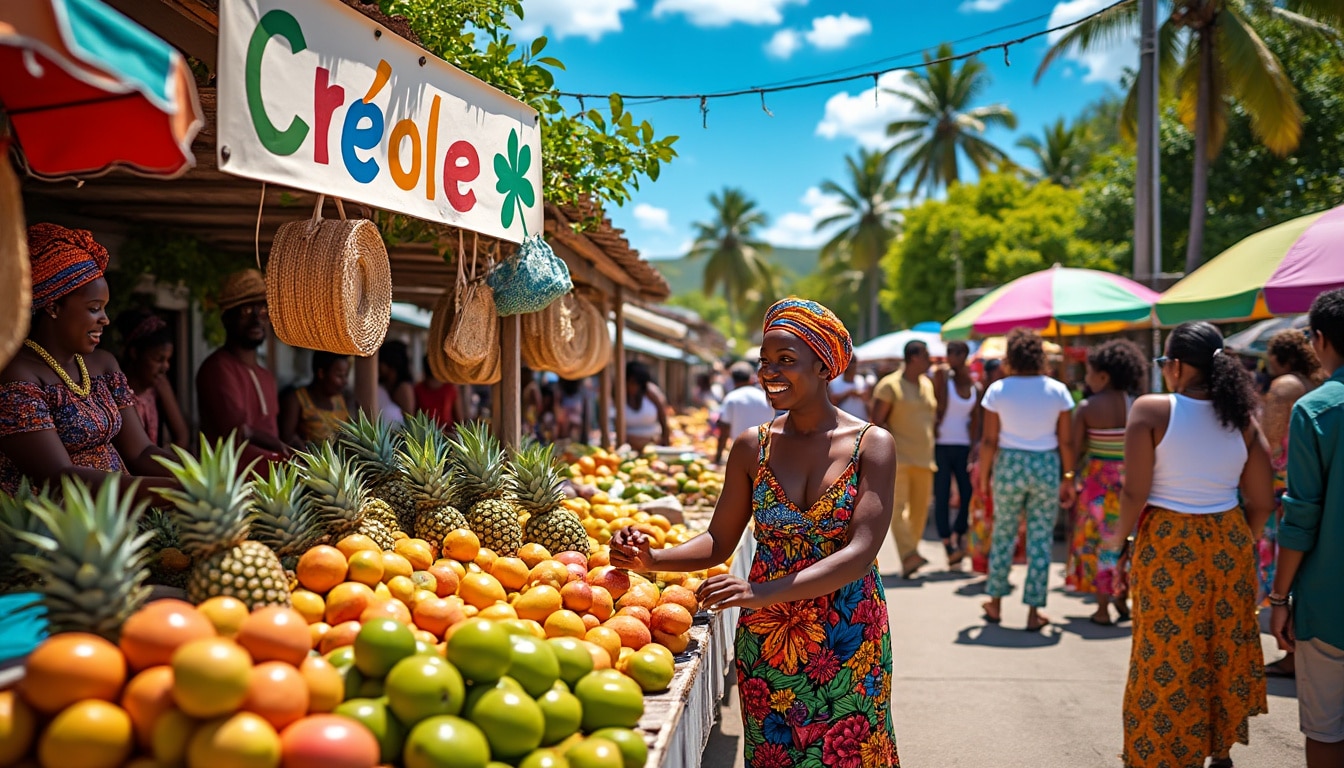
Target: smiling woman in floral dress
(813,648)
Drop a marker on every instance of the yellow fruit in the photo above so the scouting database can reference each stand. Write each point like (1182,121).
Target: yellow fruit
(531,554)
(310,605)
(227,613)
(498,612)
(565,623)
(366,567)
(461,545)
(481,590)
(538,603)
(401,588)
(18,726)
(511,572)
(87,734)
(416,551)
(396,565)
(356,542)
(607,639)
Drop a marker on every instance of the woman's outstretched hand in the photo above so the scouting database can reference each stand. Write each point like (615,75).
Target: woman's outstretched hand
(728,591)
(631,549)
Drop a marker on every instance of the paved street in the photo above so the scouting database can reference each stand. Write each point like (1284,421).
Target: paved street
(967,695)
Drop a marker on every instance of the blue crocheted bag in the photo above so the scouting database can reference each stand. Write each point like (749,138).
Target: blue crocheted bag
(530,279)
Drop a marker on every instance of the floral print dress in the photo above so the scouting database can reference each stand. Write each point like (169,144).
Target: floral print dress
(814,675)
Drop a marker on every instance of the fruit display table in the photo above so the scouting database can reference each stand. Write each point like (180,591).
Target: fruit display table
(677,722)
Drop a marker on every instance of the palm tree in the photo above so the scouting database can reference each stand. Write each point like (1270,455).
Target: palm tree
(1209,53)
(945,124)
(1063,155)
(871,220)
(734,258)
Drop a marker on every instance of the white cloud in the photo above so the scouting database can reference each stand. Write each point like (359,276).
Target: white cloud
(566,18)
(652,217)
(721,13)
(798,229)
(864,117)
(784,43)
(1103,65)
(981,6)
(832,32)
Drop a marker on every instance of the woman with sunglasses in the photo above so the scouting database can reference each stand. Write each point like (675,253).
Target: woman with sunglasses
(1196,670)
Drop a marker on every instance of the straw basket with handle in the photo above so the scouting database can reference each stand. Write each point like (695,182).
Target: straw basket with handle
(444,368)
(596,354)
(15,280)
(474,331)
(329,284)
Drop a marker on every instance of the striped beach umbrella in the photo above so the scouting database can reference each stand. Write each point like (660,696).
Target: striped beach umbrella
(1057,301)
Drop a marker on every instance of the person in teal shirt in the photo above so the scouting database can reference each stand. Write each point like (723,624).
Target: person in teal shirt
(1311,545)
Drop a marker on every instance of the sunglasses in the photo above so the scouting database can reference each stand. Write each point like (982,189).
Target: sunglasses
(1161,361)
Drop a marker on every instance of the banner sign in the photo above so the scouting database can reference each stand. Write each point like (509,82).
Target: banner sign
(315,95)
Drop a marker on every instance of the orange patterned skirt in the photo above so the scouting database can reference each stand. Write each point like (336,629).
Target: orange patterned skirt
(1196,671)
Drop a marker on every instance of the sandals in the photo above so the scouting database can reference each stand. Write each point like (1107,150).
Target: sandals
(1038,627)
(1106,622)
(1277,669)
(1224,762)
(911,565)
(985,615)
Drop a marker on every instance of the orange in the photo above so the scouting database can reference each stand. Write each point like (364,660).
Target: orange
(601,659)
(446,578)
(401,588)
(642,614)
(347,601)
(88,734)
(673,643)
(671,618)
(366,567)
(564,623)
(310,605)
(590,621)
(339,636)
(480,590)
(602,606)
(244,740)
(679,595)
(538,602)
(660,521)
(318,631)
(485,559)
(533,554)
(607,639)
(615,580)
(356,542)
(435,615)
(461,545)
(717,570)
(275,633)
(634,633)
(210,676)
(147,696)
(226,613)
(396,565)
(577,596)
(640,596)
(150,635)
(321,568)
(417,552)
(18,727)
(326,687)
(511,572)
(498,612)
(390,608)
(550,572)
(277,692)
(70,667)
(599,557)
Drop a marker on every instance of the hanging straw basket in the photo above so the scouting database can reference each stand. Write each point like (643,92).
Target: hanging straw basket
(444,368)
(474,331)
(15,281)
(597,354)
(329,284)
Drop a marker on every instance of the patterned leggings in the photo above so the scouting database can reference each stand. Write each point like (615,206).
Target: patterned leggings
(1025,483)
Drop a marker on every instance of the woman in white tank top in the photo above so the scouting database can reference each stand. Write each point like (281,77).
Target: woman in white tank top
(952,449)
(1196,666)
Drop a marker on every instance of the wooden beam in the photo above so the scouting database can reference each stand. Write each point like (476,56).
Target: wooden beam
(190,26)
(511,401)
(558,227)
(619,360)
(604,383)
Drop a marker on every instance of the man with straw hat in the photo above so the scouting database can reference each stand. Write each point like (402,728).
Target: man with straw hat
(234,393)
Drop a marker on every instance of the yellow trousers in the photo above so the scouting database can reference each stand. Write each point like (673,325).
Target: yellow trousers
(910,508)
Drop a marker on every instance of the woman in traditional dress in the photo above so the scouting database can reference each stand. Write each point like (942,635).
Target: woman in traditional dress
(1115,374)
(1296,371)
(1196,670)
(65,406)
(813,648)
(313,413)
(147,351)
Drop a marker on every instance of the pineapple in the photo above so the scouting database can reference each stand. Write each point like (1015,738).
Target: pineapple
(379,523)
(213,518)
(479,468)
(17,518)
(426,459)
(168,565)
(374,445)
(283,518)
(341,504)
(536,481)
(92,561)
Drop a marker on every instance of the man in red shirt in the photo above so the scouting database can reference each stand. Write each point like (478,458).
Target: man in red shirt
(440,400)
(234,393)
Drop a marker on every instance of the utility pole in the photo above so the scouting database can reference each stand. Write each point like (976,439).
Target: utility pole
(1147,188)
(958,300)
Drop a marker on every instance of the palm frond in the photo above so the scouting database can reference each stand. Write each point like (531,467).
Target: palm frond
(1257,79)
(1107,28)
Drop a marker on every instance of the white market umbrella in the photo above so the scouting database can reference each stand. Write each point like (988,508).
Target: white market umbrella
(891,346)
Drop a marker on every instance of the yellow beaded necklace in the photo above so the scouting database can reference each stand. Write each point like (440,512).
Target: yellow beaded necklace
(80,391)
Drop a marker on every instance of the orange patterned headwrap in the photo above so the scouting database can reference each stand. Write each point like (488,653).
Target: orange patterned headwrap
(819,329)
(63,259)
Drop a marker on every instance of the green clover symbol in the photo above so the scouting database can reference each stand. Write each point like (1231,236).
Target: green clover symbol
(512,173)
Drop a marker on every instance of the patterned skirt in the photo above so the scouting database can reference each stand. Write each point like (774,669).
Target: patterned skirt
(1196,671)
(1098,514)
(1267,548)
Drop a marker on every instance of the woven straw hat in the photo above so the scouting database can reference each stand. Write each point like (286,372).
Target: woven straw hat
(329,284)
(243,287)
(15,288)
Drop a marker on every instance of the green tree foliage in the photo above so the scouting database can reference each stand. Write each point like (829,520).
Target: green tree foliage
(1001,227)
(598,153)
(734,258)
(1062,152)
(870,220)
(946,124)
(1249,187)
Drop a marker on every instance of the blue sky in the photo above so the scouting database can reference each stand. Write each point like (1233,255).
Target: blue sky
(695,46)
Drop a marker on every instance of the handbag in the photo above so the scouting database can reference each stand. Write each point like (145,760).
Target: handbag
(529,280)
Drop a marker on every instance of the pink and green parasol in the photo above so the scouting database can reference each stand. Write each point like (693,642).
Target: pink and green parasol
(1057,301)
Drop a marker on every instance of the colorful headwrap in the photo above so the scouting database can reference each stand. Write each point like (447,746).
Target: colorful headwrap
(819,329)
(151,324)
(63,259)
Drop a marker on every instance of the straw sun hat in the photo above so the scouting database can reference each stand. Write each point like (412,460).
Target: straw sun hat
(15,288)
(243,287)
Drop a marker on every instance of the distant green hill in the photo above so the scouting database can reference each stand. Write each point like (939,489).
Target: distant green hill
(686,276)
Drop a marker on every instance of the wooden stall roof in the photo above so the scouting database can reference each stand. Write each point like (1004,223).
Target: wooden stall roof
(228,212)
